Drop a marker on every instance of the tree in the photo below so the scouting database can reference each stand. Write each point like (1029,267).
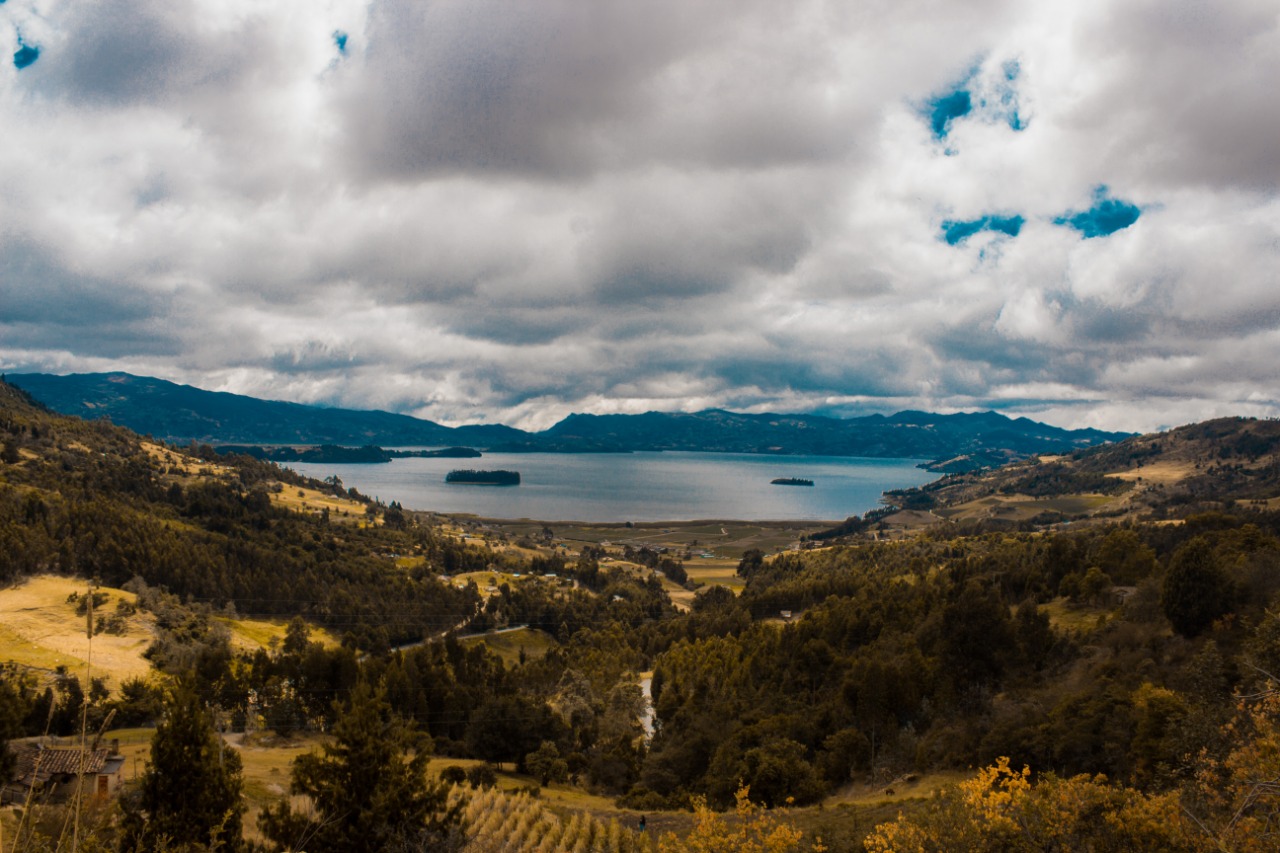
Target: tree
(297,637)
(1124,557)
(1195,590)
(509,728)
(190,793)
(751,563)
(976,637)
(546,764)
(1033,632)
(1094,583)
(779,772)
(368,788)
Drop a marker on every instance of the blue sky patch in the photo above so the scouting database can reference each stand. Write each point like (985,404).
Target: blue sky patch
(1107,216)
(340,39)
(25,55)
(988,92)
(957,231)
(947,108)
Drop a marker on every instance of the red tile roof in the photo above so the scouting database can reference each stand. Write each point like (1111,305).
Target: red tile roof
(52,760)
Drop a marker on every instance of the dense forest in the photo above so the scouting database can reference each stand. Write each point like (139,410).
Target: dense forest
(1128,660)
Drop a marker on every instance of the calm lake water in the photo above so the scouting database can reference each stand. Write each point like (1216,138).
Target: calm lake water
(648,486)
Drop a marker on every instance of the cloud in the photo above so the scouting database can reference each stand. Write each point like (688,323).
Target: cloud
(481,211)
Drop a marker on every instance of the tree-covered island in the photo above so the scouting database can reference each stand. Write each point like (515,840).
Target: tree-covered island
(483,478)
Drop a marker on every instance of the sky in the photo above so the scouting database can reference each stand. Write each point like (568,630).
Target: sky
(492,211)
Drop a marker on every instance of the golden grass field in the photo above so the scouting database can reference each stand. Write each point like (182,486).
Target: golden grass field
(314,502)
(1163,472)
(39,629)
(1022,507)
(253,634)
(188,465)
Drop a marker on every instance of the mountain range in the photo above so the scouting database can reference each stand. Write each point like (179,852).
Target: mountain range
(182,413)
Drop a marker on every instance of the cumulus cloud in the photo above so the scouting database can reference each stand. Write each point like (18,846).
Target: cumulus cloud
(485,212)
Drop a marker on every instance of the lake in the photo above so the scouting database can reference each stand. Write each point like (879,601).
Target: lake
(645,486)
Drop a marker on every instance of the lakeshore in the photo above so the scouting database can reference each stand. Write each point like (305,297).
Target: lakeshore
(640,487)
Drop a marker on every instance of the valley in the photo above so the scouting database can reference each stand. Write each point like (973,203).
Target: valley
(1105,611)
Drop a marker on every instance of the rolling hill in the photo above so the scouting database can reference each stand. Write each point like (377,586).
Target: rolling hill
(1206,466)
(175,412)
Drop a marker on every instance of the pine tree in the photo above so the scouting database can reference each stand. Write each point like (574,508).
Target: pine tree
(1195,591)
(368,788)
(190,792)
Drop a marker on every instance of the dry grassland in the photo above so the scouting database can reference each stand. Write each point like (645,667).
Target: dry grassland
(1164,473)
(188,465)
(253,634)
(39,629)
(1023,507)
(720,572)
(313,501)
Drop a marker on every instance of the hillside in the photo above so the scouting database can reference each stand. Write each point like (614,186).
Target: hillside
(182,413)
(1161,476)
(95,500)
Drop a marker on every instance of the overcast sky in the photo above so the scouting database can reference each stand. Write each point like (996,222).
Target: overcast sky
(510,211)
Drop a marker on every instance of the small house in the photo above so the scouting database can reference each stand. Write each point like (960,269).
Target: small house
(50,773)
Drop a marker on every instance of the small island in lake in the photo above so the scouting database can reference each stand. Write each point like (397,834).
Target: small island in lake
(791,481)
(484,478)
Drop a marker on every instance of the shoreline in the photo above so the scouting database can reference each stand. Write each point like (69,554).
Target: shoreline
(780,523)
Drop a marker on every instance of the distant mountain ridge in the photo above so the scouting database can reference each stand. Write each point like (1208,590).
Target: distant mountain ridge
(904,434)
(181,413)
